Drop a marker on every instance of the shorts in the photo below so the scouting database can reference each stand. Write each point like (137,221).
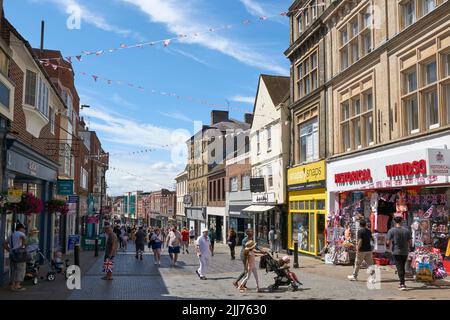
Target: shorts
(18,271)
(140,246)
(185,242)
(156,245)
(174,250)
(191,237)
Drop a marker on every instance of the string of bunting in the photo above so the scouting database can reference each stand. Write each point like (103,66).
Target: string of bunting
(169,41)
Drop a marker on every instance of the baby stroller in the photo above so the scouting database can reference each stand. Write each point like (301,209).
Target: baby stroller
(32,271)
(281,278)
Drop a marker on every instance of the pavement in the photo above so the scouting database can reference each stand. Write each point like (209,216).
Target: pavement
(142,280)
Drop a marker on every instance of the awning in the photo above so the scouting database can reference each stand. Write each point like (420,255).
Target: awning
(258,208)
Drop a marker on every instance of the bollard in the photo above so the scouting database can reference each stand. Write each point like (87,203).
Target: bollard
(96,247)
(295,254)
(77,254)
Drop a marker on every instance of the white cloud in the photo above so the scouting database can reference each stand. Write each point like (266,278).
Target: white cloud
(254,8)
(250,100)
(182,18)
(177,116)
(123,102)
(93,18)
(188,55)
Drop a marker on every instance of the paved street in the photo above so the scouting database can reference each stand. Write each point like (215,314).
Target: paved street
(141,280)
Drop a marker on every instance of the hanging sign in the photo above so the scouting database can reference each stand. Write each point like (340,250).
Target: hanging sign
(439,162)
(65,187)
(14,195)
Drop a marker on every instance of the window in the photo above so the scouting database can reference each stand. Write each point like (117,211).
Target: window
(67,98)
(247,144)
(84,178)
(355,28)
(306,13)
(355,51)
(219,193)
(412,115)
(432,109)
(368,123)
(269,139)
(245,182)
(345,111)
(430,72)
(447,65)
(314,8)
(42,97)
(356,106)
(52,121)
(411,82)
(233,184)
(344,58)
(4,95)
(344,36)
(368,100)
(214,190)
(367,43)
(428,6)
(309,140)
(307,75)
(300,24)
(409,13)
(367,18)
(258,145)
(269,177)
(447,101)
(30,88)
(357,133)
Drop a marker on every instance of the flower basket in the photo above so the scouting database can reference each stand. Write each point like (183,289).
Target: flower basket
(54,206)
(28,205)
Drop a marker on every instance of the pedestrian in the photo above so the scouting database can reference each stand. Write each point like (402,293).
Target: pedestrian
(271,237)
(400,239)
(140,242)
(277,240)
(203,246)
(248,237)
(174,243)
(118,233)
(156,241)
(231,241)
(110,253)
(185,240)
(363,249)
(250,252)
(124,236)
(192,235)
(17,240)
(212,239)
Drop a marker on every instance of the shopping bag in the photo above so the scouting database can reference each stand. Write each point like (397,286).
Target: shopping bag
(424,272)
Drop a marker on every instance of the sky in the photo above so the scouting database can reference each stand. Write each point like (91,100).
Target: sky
(217,65)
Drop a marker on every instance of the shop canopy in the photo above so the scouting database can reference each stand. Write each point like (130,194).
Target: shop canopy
(256,208)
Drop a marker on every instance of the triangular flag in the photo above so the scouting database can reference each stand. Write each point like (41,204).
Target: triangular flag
(211,30)
(95,78)
(263,18)
(284,14)
(79,58)
(123,46)
(140,46)
(99,52)
(111,50)
(167,42)
(87,53)
(83,73)
(69,59)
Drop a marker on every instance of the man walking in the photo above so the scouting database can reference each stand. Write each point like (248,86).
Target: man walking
(16,241)
(400,239)
(140,243)
(203,254)
(212,239)
(185,240)
(174,242)
(363,249)
(192,234)
(271,237)
(110,253)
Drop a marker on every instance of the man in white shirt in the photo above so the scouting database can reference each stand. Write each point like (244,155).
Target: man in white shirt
(17,240)
(203,253)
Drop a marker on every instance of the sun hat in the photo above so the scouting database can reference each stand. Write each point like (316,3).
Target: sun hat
(205,230)
(250,244)
(34,230)
(286,259)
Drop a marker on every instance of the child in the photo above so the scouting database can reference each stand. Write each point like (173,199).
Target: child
(284,264)
(59,264)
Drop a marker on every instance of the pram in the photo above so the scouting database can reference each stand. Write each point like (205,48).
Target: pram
(281,275)
(32,270)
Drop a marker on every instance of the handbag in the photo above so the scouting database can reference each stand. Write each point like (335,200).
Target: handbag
(19,255)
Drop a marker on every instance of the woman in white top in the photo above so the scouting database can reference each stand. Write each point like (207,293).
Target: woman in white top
(156,242)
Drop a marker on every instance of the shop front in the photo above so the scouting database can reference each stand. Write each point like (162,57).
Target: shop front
(411,181)
(240,221)
(216,219)
(33,174)
(196,219)
(307,208)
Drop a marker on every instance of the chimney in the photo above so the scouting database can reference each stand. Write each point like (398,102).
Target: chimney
(218,116)
(248,117)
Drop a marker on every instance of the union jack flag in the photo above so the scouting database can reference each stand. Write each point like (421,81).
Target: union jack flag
(108,265)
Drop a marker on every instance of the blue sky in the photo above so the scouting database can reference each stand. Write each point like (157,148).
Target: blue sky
(215,66)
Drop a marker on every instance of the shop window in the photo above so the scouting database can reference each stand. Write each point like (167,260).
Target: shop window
(301,205)
(300,226)
(309,140)
(320,204)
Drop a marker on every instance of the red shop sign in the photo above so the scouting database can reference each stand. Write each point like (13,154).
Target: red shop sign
(407,169)
(353,176)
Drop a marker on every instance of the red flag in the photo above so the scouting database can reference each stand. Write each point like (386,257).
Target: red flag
(79,58)
(167,42)
(95,78)
(284,14)
(123,46)
(99,52)
(69,59)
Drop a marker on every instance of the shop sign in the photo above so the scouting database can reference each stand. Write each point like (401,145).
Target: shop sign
(91,219)
(14,195)
(263,198)
(439,162)
(313,172)
(257,184)
(65,187)
(33,168)
(407,169)
(73,199)
(72,241)
(353,176)
(187,200)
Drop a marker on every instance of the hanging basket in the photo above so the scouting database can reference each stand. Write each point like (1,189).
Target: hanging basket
(57,206)
(28,205)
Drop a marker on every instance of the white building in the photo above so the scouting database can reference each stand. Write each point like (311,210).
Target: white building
(269,154)
(181,179)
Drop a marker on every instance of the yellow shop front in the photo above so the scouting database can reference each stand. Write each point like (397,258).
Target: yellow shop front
(307,207)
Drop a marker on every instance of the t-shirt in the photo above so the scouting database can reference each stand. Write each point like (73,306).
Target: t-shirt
(140,237)
(400,238)
(203,245)
(156,238)
(16,242)
(366,236)
(212,236)
(110,243)
(174,239)
(185,235)
(192,233)
(271,235)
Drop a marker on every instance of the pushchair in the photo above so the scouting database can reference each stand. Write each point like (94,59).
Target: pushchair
(281,275)
(32,270)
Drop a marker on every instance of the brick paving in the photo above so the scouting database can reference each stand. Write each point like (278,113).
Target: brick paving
(142,280)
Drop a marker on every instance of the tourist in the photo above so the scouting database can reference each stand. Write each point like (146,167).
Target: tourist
(174,242)
(363,249)
(110,253)
(231,241)
(16,241)
(185,240)
(203,246)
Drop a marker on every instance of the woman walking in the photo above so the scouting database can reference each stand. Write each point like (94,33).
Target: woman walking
(124,236)
(232,242)
(250,252)
(156,242)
